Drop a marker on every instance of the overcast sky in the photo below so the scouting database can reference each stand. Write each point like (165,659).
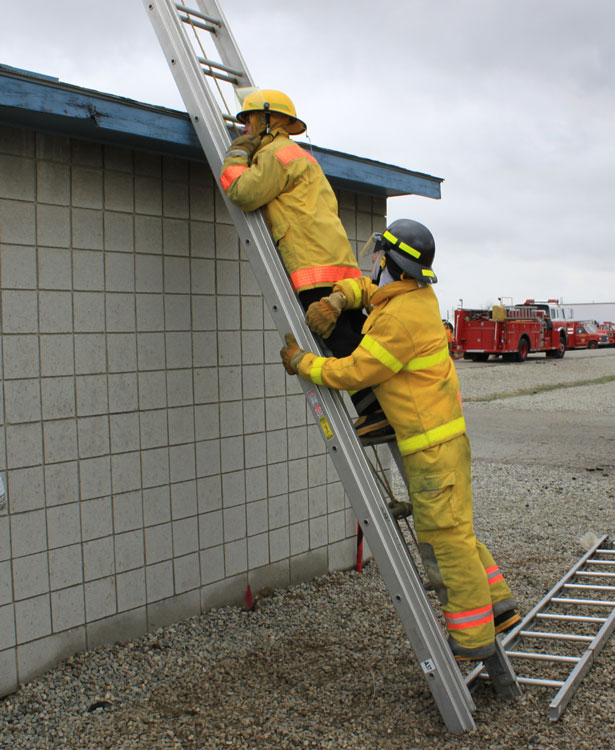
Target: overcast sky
(510,101)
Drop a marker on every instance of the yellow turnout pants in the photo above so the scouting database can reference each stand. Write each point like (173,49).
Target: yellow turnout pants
(461,569)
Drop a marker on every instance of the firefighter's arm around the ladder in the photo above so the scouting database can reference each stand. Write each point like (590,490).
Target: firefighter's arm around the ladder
(358,370)
(373,362)
(242,146)
(252,180)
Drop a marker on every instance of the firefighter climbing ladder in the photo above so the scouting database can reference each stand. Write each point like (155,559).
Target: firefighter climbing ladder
(179,28)
(577,619)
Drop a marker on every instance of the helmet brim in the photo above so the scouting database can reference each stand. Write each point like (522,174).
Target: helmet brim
(411,267)
(295,127)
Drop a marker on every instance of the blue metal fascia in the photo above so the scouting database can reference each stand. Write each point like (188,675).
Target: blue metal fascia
(43,103)
(82,113)
(366,175)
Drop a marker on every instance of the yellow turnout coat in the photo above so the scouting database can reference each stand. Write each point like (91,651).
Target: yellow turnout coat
(404,355)
(300,207)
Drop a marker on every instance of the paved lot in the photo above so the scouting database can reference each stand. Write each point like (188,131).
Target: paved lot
(572,427)
(525,436)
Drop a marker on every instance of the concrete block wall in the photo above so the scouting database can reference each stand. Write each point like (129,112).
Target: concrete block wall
(156,457)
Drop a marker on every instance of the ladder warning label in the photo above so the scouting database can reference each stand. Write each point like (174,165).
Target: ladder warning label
(320,416)
(326,428)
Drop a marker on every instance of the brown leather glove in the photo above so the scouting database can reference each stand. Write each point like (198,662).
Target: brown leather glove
(244,145)
(322,316)
(291,354)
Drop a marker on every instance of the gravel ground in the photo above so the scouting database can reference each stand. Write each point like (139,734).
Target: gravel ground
(481,380)
(326,664)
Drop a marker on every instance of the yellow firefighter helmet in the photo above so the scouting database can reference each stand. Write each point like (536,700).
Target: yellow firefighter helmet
(268,100)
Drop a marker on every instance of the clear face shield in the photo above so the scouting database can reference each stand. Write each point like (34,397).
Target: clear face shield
(375,247)
(242,93)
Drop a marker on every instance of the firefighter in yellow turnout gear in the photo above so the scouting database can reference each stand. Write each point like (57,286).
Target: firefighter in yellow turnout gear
(404,355)
(265,169)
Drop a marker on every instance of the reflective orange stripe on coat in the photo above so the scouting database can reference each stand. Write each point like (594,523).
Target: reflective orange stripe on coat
(230,174)
(292,152)
(493,574)
(471,618)
(322,275)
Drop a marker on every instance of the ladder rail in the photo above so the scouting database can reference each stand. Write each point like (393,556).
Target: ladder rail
(342,444)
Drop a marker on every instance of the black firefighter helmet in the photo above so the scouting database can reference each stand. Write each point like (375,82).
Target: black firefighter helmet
(411,247)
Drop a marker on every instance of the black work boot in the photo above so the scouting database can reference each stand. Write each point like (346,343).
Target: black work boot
(480,653)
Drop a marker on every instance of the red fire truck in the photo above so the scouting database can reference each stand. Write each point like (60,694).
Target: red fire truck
(585,334)
(609,328)
(512,331)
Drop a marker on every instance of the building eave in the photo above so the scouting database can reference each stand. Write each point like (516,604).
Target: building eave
(40,102)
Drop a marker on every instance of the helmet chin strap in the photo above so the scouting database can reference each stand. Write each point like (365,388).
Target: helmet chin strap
(267,120)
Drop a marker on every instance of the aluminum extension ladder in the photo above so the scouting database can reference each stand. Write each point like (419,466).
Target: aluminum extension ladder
(182,31)
(577,620)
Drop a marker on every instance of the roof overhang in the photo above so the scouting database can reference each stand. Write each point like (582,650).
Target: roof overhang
(43,103)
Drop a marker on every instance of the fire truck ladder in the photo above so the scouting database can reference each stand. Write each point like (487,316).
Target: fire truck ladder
(578,620)
(181,31)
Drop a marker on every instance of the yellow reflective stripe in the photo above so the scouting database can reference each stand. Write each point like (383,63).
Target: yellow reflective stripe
(351,393)
(316,370)
(431,437)
(356,290)
(409,249)
(401,245)
(390,237)
(380,353)
(427,272)
(422,363)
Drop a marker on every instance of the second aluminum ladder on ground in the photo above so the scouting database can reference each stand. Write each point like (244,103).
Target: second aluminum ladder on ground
(580,610)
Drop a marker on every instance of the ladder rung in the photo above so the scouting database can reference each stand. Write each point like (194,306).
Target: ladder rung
(604,551)
(193,12)
(536,681)
(221,76)
(366,441)
(589,587)
(531,681)
(557,636)
(198,24)
(544,657)
(600,562)
(588,602)
(594,574)
(219,66)
(570,618)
